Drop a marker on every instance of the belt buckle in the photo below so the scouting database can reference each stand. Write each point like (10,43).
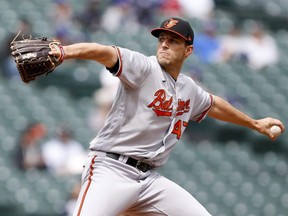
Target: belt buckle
(144,167)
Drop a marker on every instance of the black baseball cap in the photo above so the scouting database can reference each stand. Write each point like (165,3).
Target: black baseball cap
(177,26)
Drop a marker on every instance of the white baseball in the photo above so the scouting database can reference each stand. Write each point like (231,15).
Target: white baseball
(275,130)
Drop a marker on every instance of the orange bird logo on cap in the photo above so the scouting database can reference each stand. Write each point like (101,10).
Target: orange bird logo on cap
(170,23)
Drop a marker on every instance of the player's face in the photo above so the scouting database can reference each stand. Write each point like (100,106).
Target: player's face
(172,50)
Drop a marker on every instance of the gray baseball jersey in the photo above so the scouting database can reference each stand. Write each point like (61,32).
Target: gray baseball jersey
(148,117)
(151,110)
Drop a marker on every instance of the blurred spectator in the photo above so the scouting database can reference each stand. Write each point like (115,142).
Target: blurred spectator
(9,66)
(62,20)
(207,43)
(28,154)
(231,46)
(63,154)
(90,17)
(201,9)
(145,11)
(261,48)
(120,15)
(103,99)
(170,8)
(72,200)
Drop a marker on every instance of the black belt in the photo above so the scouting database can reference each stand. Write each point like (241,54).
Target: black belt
(142,166)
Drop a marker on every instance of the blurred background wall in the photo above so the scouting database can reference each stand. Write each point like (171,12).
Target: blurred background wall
(240,53)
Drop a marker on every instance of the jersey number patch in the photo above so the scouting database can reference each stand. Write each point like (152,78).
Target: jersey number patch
(177,130)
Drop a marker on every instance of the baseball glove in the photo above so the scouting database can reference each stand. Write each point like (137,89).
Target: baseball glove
(32,56)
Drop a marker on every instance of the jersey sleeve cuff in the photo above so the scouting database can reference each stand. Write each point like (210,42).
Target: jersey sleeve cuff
(116,70)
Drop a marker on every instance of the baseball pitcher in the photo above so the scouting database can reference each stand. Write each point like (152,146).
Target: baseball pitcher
(152,108)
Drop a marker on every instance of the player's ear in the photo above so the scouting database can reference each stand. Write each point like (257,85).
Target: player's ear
(189,50)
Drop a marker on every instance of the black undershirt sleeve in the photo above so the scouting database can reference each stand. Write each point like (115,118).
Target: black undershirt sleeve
(115,68)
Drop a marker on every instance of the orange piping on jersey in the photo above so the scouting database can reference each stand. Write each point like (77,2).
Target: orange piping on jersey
(120,62)
(204,113)
(88,185)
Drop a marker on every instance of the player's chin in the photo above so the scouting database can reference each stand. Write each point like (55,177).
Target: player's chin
(163,61)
